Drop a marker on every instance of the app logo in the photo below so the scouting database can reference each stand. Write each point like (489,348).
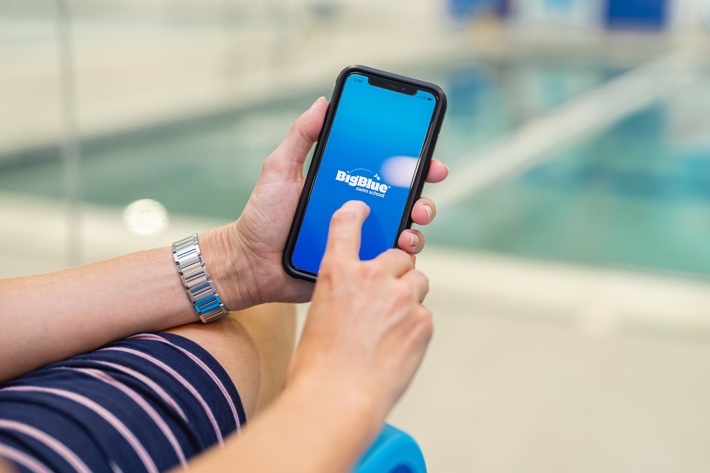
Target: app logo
(362,183)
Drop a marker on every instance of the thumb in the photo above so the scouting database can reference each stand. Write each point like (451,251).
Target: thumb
(294,149)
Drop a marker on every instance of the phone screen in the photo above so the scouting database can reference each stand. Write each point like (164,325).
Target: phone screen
(371,154)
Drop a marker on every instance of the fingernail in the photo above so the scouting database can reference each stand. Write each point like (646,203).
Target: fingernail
(428,211)
(413,239)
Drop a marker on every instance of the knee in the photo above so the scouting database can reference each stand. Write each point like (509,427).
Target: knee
(254,346)
(271,329)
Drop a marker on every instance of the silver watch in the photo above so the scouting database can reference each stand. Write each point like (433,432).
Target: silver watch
(196,279)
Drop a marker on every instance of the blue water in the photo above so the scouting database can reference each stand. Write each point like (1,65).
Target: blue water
(632,196)
(636,194)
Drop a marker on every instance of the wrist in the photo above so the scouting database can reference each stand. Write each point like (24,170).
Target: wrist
(229,267)
(357,411)
(365,407)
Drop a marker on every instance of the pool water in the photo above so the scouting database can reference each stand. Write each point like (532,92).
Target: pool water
(634,195)
(204,168)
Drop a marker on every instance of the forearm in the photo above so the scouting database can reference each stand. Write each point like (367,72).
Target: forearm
(53,316)
(304,431)
(50,317)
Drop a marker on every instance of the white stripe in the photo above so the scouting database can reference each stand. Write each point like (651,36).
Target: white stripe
(182,381)
(201,364)
(102,412)
(141,403)
(23,459)
(59,448)
(149,382)
(577,119)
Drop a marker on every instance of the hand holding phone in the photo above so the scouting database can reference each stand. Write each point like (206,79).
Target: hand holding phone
(375,146)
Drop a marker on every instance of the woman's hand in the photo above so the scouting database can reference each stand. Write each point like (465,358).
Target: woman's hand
(367,329)
(245,257)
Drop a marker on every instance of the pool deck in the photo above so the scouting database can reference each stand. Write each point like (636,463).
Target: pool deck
(128,78)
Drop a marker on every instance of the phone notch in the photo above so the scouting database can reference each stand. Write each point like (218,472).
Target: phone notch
(400,87)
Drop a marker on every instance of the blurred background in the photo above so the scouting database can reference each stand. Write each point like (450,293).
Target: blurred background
(570,259)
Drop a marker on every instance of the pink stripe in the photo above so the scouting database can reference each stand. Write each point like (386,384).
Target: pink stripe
(149,382)
(182,381)
(106,415)
(201,364)
(51,442)
(143,404)
(23,459)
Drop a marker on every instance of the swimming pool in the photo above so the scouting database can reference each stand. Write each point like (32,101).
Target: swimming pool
(636,194)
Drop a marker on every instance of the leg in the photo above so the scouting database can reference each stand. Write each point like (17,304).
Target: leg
(254,346)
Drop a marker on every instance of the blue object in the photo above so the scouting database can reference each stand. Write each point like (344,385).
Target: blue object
(111,406)
(644,14)
(467,9)
(394,451)
(371,154)
(208,304)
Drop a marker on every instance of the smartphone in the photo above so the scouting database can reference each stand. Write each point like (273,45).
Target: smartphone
(376,144)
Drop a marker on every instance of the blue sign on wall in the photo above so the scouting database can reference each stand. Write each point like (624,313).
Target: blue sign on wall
(640,14)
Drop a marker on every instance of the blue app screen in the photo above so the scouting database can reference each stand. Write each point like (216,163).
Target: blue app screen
(371,154)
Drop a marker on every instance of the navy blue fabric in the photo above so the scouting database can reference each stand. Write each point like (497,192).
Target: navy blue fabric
(118,407)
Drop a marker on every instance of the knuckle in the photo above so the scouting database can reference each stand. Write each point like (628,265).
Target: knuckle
(396,254)
(326,270)
(392,251)
(425,322)
(373,270)
(402,293)
(269,164)
(297,129)
(343,215)
(334,274)
(424,278)
(327,276)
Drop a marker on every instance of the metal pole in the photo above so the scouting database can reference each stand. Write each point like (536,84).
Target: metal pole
(71,149)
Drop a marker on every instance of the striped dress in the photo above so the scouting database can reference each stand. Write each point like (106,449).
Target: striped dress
(146,403)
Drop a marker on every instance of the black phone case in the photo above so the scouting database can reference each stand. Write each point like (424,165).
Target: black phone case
(419,176)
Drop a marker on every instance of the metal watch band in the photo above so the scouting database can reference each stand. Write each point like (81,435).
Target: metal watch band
(196,279)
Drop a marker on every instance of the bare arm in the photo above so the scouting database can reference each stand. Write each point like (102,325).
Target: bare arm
(365,337)
(305,430)
(348,370)
(50,317)
(53,316)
